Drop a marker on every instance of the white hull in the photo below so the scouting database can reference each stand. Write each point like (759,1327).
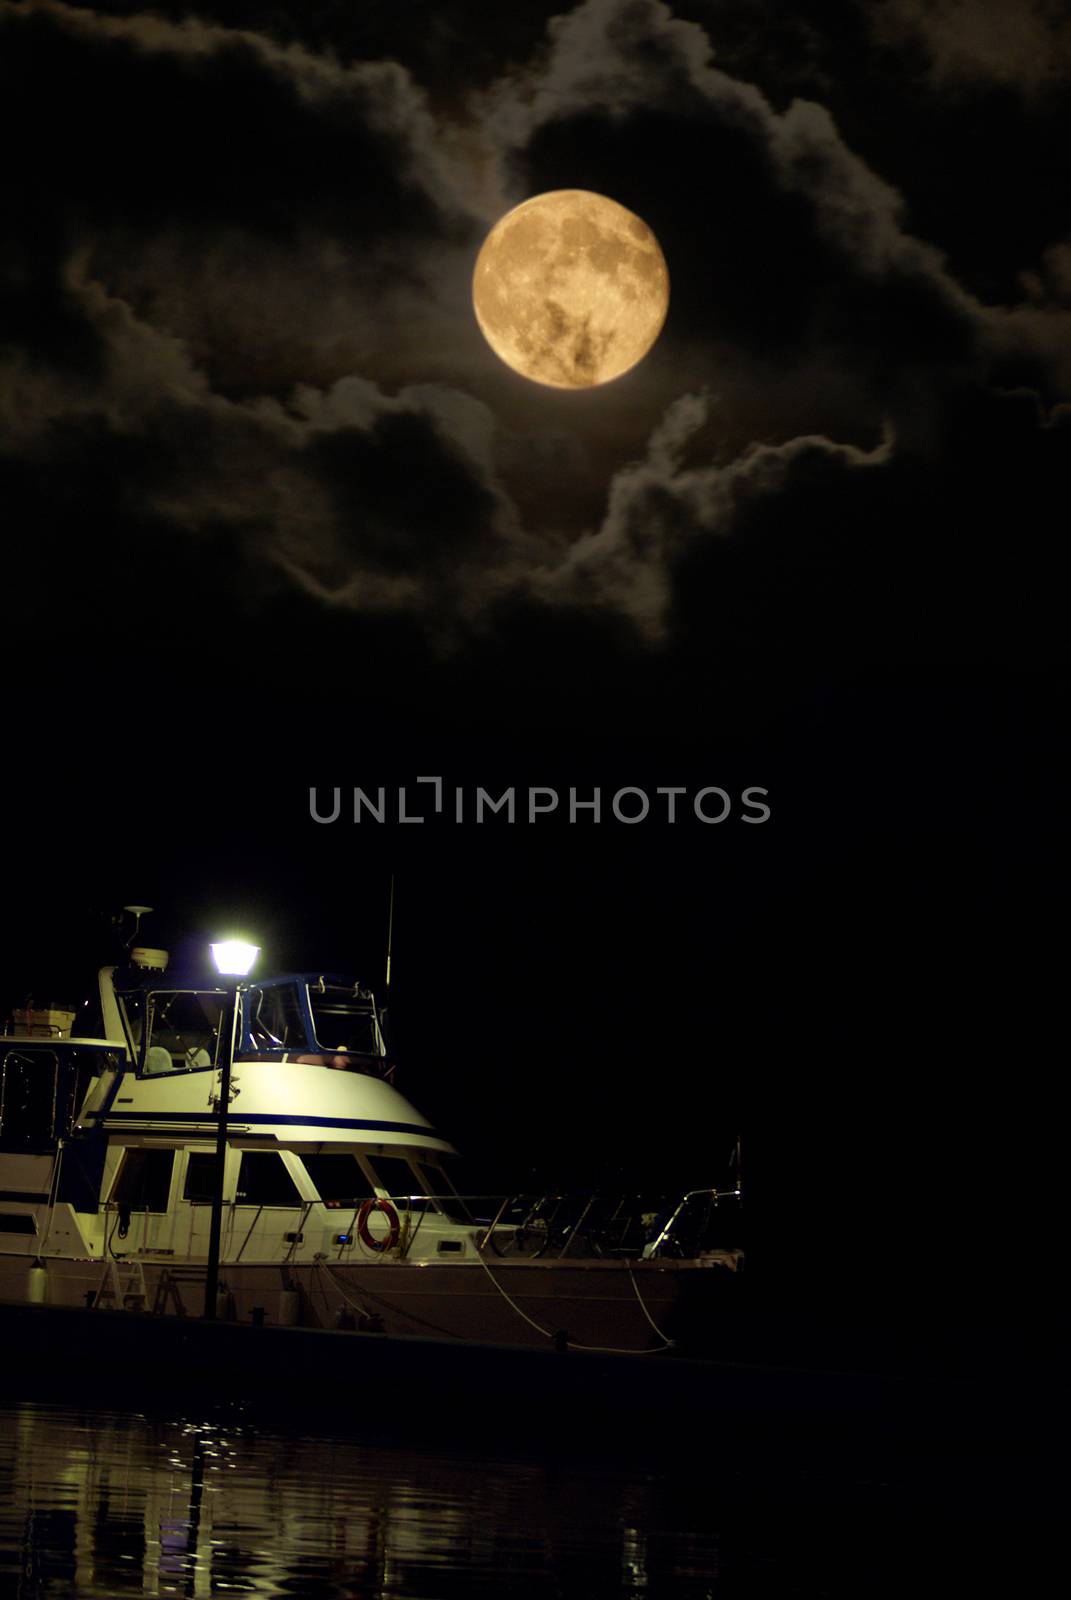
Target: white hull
(623,1306)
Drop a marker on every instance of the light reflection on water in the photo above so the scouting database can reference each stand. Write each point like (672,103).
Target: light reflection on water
(103,1504)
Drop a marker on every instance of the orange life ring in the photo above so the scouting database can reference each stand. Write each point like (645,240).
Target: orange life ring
(364,1232)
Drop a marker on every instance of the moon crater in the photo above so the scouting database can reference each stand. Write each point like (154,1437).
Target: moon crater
(570,289)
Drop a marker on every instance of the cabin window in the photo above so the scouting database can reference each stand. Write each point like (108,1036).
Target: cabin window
(396,1176)
(144,1181)
(338,1179)
(275,1019)
(264,1181)
(341,1022)
(17,1222)
(439,1186)
(200,1185)
(28,1081)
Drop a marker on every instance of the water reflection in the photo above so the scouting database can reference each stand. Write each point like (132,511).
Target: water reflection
(100,1504)
(109,1504)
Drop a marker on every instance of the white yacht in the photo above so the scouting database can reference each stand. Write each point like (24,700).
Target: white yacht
(338,1204)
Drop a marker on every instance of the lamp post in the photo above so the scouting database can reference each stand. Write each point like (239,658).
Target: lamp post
(234,960)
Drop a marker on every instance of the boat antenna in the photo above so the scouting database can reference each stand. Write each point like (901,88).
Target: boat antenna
(390,936)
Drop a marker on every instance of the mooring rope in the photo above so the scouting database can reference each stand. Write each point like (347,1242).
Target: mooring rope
(396,1310)
(595,1349)
(666,1341)
(547,1333)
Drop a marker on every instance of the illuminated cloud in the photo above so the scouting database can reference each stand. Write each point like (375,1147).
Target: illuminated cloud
(250,327)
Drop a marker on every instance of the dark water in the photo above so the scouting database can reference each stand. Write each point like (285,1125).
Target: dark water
(106,1503)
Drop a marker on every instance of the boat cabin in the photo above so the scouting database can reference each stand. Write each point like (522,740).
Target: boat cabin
(177,1024)
(121,1127)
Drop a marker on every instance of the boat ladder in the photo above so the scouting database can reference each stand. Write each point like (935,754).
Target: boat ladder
(122,1287)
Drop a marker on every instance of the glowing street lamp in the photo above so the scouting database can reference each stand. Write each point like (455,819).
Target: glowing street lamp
(234,961)
(234,958)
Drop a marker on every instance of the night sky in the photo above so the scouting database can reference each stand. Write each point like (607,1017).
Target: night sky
(275,516)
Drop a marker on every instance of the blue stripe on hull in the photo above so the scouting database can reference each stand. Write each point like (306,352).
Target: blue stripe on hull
(147,1119)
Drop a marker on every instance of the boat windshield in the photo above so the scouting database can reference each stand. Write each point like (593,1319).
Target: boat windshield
(342,1022)
(316,1023)
(181,1024)
(275,1019)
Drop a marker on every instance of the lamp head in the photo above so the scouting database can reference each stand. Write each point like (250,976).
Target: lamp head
(234,958)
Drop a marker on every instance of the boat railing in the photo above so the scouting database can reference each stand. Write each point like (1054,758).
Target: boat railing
(626,1226)
(679,1231)
(528,1226)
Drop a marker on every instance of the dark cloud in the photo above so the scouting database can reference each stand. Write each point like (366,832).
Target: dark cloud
(237,313)
(961,149)
(659,510)
(447,48)
(903,557)
(1026,47)
(273,209)
(211,127)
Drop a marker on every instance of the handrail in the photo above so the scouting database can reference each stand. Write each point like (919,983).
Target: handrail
(614,1224)
(249,1233)
(716,1194)
(485,1237)
(573,1229)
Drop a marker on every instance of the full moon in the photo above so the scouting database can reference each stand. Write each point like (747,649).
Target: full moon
(570,289)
